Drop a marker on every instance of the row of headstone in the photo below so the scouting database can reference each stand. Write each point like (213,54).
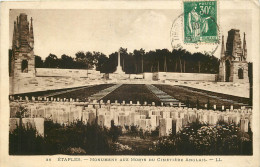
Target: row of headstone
(145,117)
(35,123)
(101,102)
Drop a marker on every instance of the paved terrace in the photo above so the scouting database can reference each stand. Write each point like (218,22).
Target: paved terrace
(143,94)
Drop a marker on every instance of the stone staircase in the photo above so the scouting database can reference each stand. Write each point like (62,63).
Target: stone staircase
(164,97)
(104,92)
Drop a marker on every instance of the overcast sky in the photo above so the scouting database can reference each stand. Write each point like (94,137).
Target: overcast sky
(67,31)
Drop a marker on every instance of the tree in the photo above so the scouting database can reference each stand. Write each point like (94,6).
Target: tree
(101,59)
(137,62)
(38,62)
(139,55)
(81,60)
(51,61)
(123,56)
(66,62)
(90,61)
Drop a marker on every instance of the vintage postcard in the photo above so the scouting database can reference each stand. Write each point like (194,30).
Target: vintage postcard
(130,83)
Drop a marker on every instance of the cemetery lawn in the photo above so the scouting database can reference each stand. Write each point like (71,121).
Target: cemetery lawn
(46,93)
(223,96)
(134,93)
(139,145)
(83,94)
(185,94)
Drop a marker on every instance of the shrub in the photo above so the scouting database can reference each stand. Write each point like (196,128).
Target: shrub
(76,138)
(75,151)
(24,141)
(119,148)
(198,139)
(115,132)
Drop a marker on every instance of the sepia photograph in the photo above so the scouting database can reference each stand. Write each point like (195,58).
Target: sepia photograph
(132,82)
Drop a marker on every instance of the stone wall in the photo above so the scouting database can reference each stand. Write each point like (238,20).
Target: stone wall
(184,76)
(55,72)
(49,79)
(34,84)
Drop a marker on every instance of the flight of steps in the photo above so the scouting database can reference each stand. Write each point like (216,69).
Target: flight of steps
(164,97)
(102,93)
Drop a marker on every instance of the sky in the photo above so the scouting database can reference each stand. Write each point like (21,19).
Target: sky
(67,31)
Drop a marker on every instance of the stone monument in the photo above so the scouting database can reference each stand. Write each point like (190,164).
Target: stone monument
(22,60)
(119,67)
(119,74)
(233,65)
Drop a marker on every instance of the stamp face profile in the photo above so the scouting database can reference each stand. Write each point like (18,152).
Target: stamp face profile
(200,22)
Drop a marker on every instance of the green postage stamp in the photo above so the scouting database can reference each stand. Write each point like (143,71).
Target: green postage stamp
(200,22)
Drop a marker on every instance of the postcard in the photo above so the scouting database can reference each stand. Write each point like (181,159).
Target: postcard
(130,83)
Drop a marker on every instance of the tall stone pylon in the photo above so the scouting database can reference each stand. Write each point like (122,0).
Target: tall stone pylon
(23,59)
(119,67)
(118,58)
(221,76)
(233,65)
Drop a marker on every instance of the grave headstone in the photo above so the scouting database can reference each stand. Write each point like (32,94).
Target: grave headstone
(28,123)
(244,125)
(165,126)
(39,126)
(92,118)
(13,111)
(13,124)
(177,125)
(101,120)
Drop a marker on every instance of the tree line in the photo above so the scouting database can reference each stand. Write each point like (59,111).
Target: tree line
(137,61)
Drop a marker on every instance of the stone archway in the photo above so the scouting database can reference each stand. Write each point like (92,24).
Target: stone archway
(227,64)
(24,66)
(240,73)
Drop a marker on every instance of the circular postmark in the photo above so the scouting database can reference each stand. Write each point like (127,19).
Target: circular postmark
(178,42)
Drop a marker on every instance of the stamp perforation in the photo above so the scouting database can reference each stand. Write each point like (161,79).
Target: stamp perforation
(217,36)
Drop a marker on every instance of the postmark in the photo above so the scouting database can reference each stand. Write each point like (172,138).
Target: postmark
(200,22)
(177,40)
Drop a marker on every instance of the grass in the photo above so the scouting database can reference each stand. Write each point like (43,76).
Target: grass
(134,93)
(139,92)
(185,94)
(43,93)
(224,96)
(139,145)
(83,94)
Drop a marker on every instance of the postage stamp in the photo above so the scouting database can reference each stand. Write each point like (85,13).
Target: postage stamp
(200,22)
